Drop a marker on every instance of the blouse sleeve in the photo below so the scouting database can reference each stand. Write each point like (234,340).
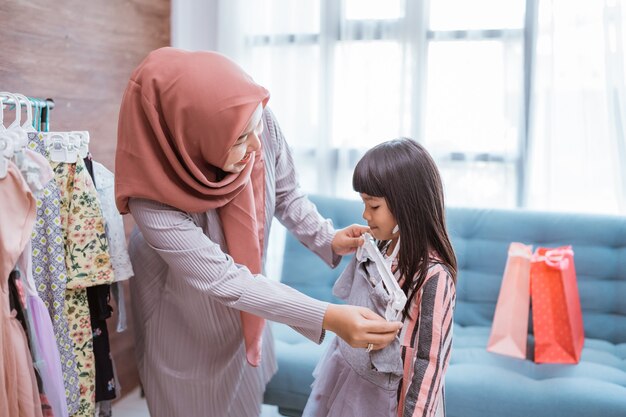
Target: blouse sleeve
(293,208)
(198,261)
(431,338)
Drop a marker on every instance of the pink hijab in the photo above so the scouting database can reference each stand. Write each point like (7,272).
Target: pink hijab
(180,114)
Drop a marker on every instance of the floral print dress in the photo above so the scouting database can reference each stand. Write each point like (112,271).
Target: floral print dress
(88,264)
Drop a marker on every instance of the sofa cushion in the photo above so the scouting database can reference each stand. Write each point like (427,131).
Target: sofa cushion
(480,383)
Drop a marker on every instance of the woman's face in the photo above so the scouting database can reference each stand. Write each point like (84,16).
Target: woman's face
(249,141)
(378,217)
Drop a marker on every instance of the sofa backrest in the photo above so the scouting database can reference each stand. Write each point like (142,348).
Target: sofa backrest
(481,238)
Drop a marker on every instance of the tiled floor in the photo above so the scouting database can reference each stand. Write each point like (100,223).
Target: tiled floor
(133,405)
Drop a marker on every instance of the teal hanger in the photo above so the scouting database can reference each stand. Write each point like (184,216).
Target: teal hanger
(39,115)
(36,113)
(47,114)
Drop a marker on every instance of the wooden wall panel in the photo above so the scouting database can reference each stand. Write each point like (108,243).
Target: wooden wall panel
(81,54)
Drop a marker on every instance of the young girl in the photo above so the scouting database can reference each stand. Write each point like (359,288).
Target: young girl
(402,192)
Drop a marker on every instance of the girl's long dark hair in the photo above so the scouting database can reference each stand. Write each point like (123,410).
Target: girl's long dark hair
(404,173)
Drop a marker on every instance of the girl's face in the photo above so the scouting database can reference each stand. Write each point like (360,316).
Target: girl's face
(379,218)
(249,141)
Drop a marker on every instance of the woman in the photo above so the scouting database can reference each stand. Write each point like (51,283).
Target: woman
(203,167)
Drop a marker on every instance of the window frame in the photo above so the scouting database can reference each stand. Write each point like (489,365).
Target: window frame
(393,29)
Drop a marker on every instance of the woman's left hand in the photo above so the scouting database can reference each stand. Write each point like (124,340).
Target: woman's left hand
(347,240)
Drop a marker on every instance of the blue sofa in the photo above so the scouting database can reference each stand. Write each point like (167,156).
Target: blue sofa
(480,383)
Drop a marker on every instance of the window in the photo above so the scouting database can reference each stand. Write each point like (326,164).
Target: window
(346,75)
(457,76)
(475,99)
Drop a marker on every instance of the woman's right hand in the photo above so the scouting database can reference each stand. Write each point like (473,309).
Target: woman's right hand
(359,326)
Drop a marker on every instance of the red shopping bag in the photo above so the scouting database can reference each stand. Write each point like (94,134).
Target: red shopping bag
(557,316)
(510,321)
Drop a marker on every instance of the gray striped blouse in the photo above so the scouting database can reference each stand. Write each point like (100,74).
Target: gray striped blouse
(187,293)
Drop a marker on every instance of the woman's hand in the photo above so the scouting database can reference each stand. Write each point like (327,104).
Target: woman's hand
(347,240)
(359,326)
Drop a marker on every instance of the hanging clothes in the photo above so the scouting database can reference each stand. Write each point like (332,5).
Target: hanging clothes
(20,396)
(87,256)
(37,172)
(123,268)
(99,311)
(43,343)
(17,303)
(50,274)
(88,264)
(17,216)
(62,328)
(105,184)
(27,388)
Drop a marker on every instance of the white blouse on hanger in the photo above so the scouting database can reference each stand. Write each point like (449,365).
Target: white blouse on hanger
(120,260)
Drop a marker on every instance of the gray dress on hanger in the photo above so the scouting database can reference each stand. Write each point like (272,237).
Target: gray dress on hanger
(187,293)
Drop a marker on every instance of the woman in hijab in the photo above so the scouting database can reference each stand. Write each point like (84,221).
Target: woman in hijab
(203,167)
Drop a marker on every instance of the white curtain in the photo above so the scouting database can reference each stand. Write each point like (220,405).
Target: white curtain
(347,74)
(341,78)
(578,150)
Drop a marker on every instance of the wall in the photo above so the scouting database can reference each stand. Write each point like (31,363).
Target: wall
(194,24)
(209,25)
(81,54)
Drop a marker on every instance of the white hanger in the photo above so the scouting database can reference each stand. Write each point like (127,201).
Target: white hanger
(18,108)
(9,139)
(82,142)
(61,146)
(28,124)
(21,135)
(398,298)
(66,146)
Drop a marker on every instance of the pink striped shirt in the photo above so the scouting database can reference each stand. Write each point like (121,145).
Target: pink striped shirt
(426,341)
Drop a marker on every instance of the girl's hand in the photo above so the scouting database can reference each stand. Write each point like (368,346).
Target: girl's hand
(347,240)
(359,326)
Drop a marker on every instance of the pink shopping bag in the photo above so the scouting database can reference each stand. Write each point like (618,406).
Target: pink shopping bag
(510,322)
(557,316)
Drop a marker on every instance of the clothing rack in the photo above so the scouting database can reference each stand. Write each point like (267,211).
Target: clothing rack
(74,382)
(36,102)
(44,105)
